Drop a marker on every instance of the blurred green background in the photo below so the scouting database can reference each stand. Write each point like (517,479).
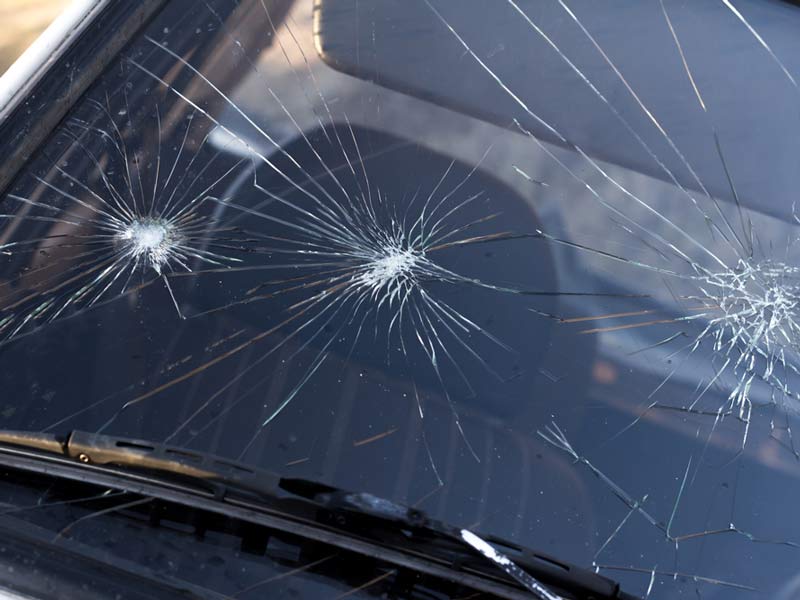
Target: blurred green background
(22,21)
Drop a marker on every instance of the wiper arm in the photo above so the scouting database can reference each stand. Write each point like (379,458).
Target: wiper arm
(98,449)
(356,514)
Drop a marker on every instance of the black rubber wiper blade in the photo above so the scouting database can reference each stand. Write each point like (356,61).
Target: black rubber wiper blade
(543,575)
(366,516)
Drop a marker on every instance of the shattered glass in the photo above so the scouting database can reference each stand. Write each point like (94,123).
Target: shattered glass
(530,267)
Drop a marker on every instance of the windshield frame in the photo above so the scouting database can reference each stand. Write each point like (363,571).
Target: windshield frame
(36,92)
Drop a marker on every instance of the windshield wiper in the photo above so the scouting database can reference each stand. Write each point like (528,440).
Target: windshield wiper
(397,533)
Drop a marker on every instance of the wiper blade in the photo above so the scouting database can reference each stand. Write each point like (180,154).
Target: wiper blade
(360,515)
(534,570)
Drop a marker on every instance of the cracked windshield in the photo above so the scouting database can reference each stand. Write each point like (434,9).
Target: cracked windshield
(530,267)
